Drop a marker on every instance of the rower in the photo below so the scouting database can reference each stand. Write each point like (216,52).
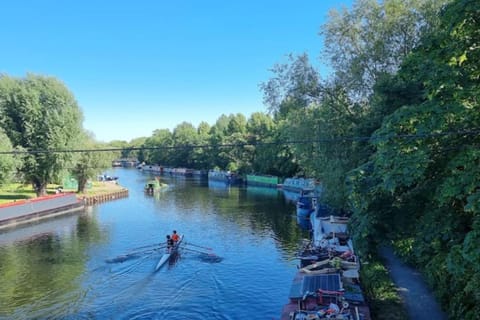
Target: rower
(170,243)
(175,236)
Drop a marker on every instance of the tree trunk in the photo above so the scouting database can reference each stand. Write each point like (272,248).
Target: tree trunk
(40,188)
(82,185)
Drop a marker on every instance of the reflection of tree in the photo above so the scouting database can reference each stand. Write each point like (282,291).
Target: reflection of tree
(88,229)
(261,209)
(48,261)
(269,211)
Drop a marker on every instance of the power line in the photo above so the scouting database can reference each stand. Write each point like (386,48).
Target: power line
(475,132)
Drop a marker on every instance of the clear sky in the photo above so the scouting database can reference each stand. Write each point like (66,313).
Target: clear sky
(137,66)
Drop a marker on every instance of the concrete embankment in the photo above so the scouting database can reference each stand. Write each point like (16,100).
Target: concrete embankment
(26,211)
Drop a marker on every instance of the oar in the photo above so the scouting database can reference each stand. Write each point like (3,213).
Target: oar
(132,254)
(194,245)
(198,251)
(148,246)
(161,246)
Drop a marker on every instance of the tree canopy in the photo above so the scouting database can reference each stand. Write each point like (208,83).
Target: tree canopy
(38,114)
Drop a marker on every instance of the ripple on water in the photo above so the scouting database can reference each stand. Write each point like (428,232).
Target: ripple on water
(252,235)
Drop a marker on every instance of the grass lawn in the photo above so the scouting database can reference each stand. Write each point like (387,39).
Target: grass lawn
(17,191)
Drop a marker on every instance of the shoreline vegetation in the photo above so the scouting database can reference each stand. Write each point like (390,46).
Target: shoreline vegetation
(16,191)
(382,295)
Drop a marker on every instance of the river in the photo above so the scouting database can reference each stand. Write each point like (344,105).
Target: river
(69,267)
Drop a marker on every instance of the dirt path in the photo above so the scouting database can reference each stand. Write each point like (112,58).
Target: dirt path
(419,301)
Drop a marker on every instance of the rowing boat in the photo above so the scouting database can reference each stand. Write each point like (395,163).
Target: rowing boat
(169,253)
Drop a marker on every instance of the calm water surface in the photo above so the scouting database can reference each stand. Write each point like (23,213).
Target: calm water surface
(66,268)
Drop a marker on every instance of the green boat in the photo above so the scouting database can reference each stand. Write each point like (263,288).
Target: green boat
(154,185)
(262,181)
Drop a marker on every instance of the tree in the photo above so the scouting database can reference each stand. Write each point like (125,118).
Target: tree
(122,146)
(40,115)
(294,86)
(159,147)
(362,45)
(8,162)
(201,156)
(426,162)
(90,163)
(372,39)
(236,137)
(218,136)
(293,89)
(184,137)
(138,153)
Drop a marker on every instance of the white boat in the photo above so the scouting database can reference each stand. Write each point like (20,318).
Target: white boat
(166,256)
(331,232)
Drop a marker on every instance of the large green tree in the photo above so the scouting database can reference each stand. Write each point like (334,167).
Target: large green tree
(41,115)
(265,154)
(289,96)
(362,45)
(373,38)
(184,138)
(201,156)
(294,85)
(422,183)
(218,136)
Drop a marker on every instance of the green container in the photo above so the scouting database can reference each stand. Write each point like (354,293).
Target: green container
(70,183)
(262,181)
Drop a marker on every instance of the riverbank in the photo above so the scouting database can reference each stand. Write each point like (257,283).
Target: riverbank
(26,211)
(99,189)
(90,200)
(21,206)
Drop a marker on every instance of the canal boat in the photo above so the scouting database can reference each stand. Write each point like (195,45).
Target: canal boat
(306,203)
(266,181)
(331,232)
(154,185)
(224,177)
(327,284)
(169,254)
(298,184)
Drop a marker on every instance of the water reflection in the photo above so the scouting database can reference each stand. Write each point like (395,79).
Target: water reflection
(290,196)
(59,225)
(60,269)
(43,262)
(304,222)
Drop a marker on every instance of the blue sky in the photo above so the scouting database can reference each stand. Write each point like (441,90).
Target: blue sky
(137,66)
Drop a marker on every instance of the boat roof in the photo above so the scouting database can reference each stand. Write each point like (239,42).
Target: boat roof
(312,283)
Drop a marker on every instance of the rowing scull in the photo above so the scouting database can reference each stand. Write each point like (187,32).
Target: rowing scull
(166,256)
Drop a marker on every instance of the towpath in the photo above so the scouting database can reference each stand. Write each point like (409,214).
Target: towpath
(419,301)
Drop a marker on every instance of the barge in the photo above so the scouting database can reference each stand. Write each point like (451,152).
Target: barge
(327,284)
(226,177)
